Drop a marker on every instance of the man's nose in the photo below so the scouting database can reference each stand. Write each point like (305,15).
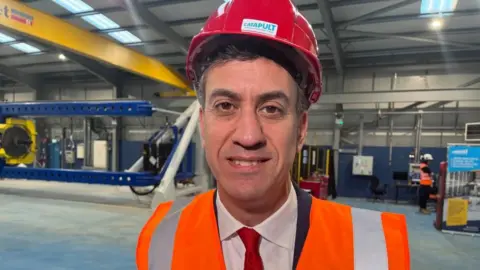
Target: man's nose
(249,131)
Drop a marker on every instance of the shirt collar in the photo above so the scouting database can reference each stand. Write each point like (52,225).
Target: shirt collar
(278,228)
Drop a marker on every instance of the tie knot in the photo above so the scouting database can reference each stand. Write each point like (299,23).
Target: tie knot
(250,238)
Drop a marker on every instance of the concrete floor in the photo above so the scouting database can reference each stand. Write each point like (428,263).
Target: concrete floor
(41,233)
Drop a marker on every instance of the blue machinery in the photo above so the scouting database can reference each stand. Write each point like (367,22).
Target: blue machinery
(133,177)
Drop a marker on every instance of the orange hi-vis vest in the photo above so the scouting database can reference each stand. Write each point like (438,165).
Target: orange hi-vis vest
(425,178)
(183,235)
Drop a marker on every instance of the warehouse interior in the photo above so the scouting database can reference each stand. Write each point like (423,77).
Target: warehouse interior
(401,79)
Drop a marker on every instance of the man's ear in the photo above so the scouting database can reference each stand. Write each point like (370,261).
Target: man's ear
(201,125)
(302,130)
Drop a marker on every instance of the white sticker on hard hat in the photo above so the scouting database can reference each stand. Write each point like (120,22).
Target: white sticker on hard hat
(260,27)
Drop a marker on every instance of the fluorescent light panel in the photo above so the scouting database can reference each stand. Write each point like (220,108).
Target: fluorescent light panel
(5,38)
(74,6)
(26,48)
(125,37)
(101,21)
(98,20)
(438,6)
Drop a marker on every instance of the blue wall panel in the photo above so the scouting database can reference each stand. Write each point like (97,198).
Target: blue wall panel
(130,152)
(357,186)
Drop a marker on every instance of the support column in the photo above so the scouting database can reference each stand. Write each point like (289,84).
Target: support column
(418,136)
(115,145)
(336,151)
(116,133)
(390,141)
(360,136)
(63,146)
(337,130)
(87,141)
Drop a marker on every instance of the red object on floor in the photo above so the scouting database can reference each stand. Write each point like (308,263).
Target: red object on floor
(318,187)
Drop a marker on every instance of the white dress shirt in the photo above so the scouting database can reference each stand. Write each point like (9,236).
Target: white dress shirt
(278,236)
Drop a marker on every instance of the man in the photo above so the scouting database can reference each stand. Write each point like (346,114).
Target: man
(426,183)
(255,68)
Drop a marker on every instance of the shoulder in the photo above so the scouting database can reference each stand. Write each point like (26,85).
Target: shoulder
(324,207)
(171,209)
(181,203)
(389,230)
(364,217)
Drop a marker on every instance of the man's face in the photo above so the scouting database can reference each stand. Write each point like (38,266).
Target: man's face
(250,128)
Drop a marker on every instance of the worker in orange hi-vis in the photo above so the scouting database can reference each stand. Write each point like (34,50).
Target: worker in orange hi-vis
(256,71)
(426,183)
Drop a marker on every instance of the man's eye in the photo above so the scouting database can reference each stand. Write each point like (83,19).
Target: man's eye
(271,110)
(224,106)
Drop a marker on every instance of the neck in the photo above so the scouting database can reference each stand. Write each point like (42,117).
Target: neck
(254,212)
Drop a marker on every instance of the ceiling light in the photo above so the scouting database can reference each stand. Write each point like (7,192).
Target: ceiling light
(124,37)
(101,21)
(62,57)
(438,6)
(26,48)
(436,24)
(74,6)
(5,38)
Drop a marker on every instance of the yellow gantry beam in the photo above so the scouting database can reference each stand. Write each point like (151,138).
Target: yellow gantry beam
(174,94)
(31,22)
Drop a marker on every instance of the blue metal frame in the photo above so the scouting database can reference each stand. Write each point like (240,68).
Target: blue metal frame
(78,108)
(90,108)
(157,135)
(78,176)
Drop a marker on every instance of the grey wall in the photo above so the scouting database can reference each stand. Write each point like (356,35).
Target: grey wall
(439,129)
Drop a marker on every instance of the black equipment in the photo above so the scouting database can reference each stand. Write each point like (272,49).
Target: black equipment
(154,156)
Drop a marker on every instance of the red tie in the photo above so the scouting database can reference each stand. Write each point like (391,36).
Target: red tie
(251,240)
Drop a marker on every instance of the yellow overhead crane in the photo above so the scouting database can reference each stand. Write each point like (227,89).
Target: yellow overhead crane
(21,18)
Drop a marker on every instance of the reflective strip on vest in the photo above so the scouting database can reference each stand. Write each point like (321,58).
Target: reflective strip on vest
(161,239)
(371,245)
(370,249)
(425,178)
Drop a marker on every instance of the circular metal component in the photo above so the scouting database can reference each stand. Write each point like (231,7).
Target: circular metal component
(16,142)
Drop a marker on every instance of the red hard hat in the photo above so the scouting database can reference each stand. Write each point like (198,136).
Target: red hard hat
(276,20)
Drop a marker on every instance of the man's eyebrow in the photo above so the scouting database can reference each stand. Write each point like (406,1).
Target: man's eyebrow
(262,98)
(221,92)
(274,95)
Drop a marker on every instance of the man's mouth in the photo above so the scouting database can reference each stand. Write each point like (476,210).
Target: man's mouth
(247,162)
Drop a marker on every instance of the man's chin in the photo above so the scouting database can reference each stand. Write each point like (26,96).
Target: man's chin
(245,192)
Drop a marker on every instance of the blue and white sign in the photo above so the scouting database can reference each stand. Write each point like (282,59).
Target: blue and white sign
(463,158)
(259,27)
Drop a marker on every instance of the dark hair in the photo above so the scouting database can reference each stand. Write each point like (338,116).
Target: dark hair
(228,48)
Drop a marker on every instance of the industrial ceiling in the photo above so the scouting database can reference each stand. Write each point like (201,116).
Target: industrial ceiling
(351,33)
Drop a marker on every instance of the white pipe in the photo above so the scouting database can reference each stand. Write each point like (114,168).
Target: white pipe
(183,119)
(179,123)
(166,111)
(166,189)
